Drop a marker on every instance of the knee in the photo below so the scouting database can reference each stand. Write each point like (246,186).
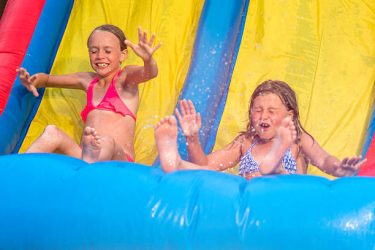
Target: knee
(107,141)
(52,131)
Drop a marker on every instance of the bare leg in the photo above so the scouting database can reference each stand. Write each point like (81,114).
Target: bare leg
(111,150)
(90,145)
(100,148)
(55,140)
(286,135)
(166,142)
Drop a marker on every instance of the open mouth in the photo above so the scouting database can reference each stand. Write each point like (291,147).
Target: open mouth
(101,65)
(264,125)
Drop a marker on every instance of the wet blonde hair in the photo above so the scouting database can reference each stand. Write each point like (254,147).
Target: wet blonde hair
(287,97)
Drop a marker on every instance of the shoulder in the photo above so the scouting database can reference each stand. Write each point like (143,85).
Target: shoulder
(300,158)
(84,77)
(129,69)
(242,143)
(296,151)
(307,140)
(123,76)
(239,139)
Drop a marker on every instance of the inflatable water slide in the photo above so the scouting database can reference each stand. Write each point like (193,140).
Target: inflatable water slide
(214,53)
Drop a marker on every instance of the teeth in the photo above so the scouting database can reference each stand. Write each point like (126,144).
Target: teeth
(102,64)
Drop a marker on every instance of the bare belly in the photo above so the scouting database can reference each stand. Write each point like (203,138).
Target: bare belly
(120,128)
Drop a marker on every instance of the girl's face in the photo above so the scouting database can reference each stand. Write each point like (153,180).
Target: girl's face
(105,53)
(267,113)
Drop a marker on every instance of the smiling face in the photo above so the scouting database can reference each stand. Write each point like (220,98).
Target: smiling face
(105,53)
(267,113)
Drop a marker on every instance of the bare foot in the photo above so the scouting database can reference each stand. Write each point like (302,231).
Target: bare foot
(285,136)
(166,142)
(90,145)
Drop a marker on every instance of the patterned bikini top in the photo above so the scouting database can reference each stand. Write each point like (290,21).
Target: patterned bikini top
(248,165)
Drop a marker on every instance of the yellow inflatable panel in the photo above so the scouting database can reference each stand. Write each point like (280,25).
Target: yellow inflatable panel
(174,22)
(325,51)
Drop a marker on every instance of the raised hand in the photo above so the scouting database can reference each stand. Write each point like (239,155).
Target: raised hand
(144,47)
(349,166)
(189,119)
(31,82)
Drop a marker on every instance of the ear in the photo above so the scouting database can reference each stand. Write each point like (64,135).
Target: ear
(291,115)
(124,55)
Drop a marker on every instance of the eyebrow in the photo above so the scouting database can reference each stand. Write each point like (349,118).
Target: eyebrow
(96,47)
(273,108)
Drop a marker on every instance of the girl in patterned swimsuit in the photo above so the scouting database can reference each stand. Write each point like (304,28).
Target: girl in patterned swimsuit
(112,97)
(273,143)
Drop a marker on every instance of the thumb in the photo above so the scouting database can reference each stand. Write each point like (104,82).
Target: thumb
(156,47)
(130,44)
(33,90)
(199,120)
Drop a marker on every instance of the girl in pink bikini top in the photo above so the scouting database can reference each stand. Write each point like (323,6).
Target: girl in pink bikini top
(101,140)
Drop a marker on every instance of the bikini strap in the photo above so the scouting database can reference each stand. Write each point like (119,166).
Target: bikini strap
(90,91)
(253,144)
(114,79)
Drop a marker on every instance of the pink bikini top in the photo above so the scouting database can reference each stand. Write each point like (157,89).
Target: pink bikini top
(111,100)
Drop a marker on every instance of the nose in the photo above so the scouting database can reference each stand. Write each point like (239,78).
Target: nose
(263,115)
(99,54)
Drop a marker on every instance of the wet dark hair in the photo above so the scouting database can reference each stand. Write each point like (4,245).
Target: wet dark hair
(288,98)
(114,30)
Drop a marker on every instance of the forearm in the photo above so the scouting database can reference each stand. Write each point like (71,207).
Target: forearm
(150,69)
(195,151)
(41,80)
(330,165)
(70,81)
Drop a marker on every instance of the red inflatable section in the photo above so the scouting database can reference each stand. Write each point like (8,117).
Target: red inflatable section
(16,28)
(368,169)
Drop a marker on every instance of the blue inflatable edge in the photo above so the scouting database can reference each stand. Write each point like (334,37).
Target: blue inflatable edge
(54,201)
(22,105)
(215,51)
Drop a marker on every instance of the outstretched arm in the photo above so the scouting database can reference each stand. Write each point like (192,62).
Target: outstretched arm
(41,80)
(145,50)
(327,162)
